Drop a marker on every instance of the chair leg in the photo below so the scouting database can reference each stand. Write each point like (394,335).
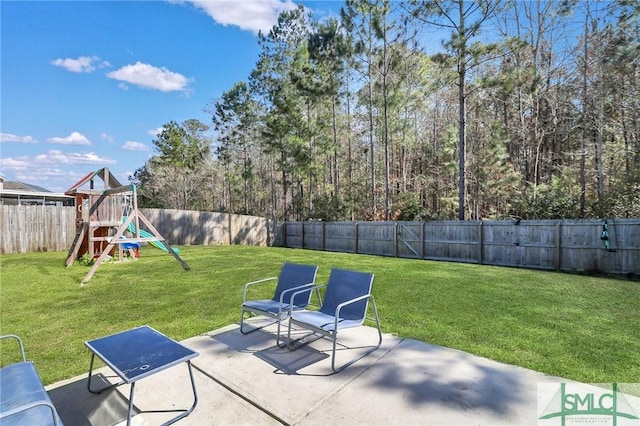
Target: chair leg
(335,342)
(252,329)
(292,345)
(242,312)
(245,332)
(278,335)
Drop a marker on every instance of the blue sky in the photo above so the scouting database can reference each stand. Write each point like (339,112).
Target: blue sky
(88,84)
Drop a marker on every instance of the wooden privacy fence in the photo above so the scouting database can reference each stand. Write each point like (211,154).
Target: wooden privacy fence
(37,228)
(51,228)
(567,245)
(188,227)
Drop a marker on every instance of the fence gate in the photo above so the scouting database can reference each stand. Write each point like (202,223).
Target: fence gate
(409,237)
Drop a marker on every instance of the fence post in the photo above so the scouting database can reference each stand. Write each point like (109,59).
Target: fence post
(422,240)
(355,249)
(480,242)
(323,235)
(557,238)
(284,233)
(395,231)
(266,221)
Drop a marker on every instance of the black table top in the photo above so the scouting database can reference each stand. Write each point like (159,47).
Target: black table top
(139,352)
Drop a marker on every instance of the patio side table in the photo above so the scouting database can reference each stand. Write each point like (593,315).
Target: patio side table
(138,353)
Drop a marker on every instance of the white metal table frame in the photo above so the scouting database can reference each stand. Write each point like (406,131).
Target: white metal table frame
(130,373)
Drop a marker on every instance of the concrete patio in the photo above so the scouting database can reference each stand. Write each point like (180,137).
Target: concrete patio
(248,380)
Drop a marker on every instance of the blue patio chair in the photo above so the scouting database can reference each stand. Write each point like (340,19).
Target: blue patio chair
(345,305)
(293,278)
(23,398)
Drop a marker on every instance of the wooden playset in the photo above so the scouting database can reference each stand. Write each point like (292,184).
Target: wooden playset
(108,223)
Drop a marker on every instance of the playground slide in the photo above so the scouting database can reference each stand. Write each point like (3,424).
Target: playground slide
(144,234)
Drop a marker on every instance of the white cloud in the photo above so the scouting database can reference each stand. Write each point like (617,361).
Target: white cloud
(247,15)
(75,138)
(82,64)
(58,157)
(21,169)
(26,169)
(8,137)
(134,146)
(56,179)
(150,77)
(15,163)
(53,167)
(155,132)
(107,137)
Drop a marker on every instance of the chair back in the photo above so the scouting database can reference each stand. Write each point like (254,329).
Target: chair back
(293,275)
(345,285)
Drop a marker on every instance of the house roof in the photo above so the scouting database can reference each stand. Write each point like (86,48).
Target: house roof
(11,190)
(23,187)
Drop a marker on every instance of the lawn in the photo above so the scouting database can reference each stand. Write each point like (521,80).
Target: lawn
(577,327)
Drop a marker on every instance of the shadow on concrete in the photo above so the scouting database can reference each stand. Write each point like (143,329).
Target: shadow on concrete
(248,379)
(78,407)
(448,378)
(402,374)
(290,362)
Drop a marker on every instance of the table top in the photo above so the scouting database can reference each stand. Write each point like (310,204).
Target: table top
(139,352)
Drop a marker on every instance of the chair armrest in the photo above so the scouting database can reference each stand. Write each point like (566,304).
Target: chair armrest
(293,296)
(13,336)
(26,407)
(348,302)
(298,289)
(246,286)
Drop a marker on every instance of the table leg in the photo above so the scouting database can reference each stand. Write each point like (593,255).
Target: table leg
(184,413)
(130,404)
(90,371)
(97,392)
(90,375)
(195,399)
(193,387)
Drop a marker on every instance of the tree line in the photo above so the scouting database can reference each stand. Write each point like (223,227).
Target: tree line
(421,110)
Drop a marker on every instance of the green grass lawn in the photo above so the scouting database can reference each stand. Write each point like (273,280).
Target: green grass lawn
(577,327)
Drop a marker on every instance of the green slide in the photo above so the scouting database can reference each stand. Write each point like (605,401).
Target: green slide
(144,234)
